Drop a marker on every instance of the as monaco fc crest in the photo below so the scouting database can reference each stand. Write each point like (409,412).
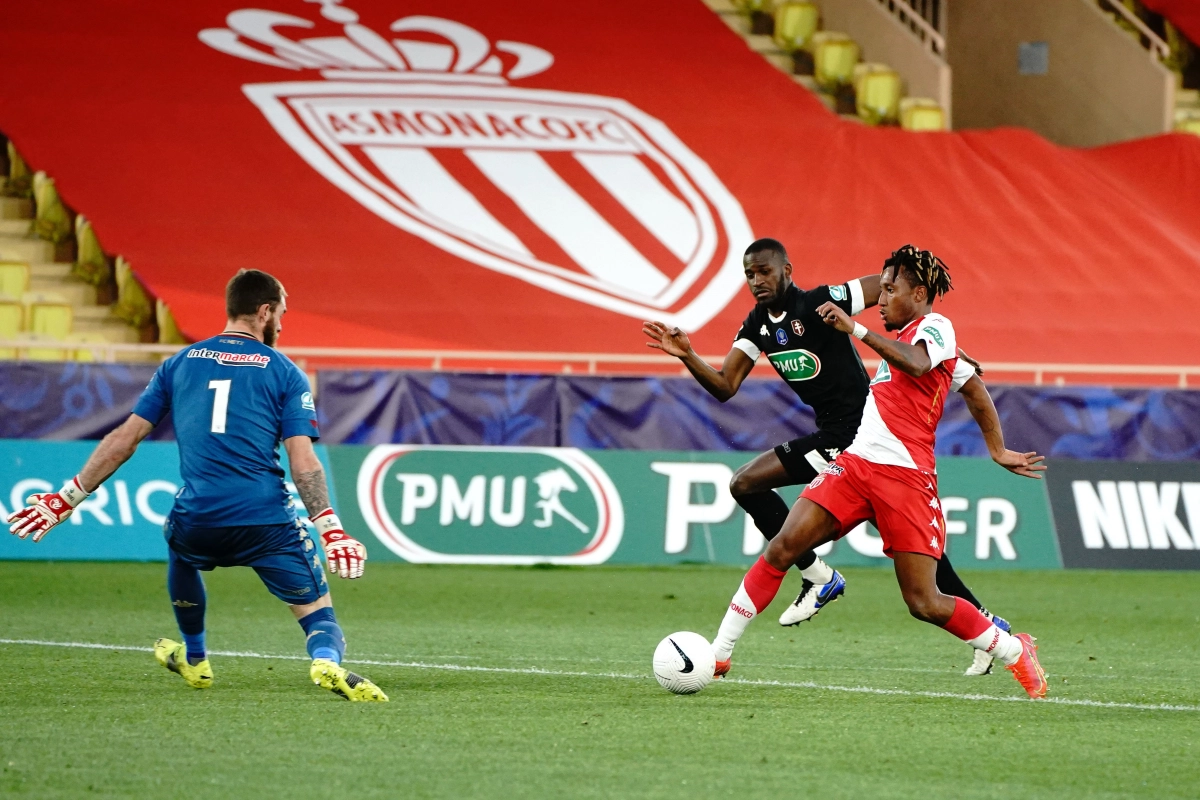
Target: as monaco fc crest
(579,194)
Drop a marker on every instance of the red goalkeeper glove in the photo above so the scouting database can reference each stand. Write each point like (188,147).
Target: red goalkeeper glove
(43,511)
(344,553)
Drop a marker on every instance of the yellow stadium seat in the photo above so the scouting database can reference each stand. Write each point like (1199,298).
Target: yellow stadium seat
(19,180)
(12,316)
(834,57)
(90,264)
(795,23)
(51,220)
(168,331)
(14,278)
(48,314)
(41,347)
(86,353)
(877,93)
(921,114)
(133,304)
(1191,126)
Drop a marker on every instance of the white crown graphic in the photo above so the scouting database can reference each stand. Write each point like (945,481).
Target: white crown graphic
(442,50)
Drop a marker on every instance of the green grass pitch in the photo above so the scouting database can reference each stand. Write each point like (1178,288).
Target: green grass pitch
(484,666)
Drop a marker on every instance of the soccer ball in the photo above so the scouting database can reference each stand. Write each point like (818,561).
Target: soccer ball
(684,662)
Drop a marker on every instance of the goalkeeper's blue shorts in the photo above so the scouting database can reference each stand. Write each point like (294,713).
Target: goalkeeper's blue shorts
(284,555)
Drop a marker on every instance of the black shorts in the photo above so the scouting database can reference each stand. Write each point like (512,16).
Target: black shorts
(803,458)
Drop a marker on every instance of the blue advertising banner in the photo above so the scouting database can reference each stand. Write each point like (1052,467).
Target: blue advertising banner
(121,521)
(85,401)
(675,413)
(70,400)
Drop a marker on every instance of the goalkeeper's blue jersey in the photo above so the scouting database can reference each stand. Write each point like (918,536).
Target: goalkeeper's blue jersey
(233,400)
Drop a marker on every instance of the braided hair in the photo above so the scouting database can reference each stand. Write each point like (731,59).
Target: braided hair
(923,267)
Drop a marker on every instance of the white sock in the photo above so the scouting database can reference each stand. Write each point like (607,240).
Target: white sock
(818,572)
(998,644)
(737,618)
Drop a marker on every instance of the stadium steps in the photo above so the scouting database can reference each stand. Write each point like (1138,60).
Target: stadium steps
(855,96)
(16,208)
(53,279)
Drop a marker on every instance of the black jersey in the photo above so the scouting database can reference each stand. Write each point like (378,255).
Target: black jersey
(817,361)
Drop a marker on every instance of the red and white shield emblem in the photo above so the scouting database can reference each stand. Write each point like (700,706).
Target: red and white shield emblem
(582,195)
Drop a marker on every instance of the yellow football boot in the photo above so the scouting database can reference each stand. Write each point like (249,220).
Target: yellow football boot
(344,683)
(173,656)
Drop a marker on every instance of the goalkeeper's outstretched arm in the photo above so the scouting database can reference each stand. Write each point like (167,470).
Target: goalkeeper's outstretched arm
(45,510)
(113,451)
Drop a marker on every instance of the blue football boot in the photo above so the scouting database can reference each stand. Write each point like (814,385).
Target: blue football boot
(813,597)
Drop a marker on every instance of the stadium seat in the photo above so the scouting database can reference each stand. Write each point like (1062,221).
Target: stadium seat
(168,331)
(42,347)
(14,278)
(12,316)
(91,265)
(877,93)
(795,23)
(84,353)
(834,57)
(1187,111)
(921,114)
(133,304)
(48,314)
(19,182)
(51,220)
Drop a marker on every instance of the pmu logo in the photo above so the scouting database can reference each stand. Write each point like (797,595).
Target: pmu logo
(490,505)
(583,195)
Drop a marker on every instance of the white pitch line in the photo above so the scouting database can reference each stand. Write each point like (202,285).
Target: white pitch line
(1062,701)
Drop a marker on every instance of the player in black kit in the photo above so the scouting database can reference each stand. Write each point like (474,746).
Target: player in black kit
(822,367)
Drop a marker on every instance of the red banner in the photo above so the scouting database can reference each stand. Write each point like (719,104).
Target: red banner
(540,176)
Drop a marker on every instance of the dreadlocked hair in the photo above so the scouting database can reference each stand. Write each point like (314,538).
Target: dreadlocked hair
(923,267)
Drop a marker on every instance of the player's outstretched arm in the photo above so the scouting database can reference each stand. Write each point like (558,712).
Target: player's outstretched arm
(344,554)
(45,510)
(983,410)
(908,358)
(721,383)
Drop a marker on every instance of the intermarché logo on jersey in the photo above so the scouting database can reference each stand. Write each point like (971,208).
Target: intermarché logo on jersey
(796,365)
(231,359)
(490,505)
(418,122)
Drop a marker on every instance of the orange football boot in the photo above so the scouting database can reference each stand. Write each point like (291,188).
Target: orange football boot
(1028,670)
(722,668)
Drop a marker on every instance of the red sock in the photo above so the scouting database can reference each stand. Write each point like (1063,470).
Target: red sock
(762,583)
(966,622)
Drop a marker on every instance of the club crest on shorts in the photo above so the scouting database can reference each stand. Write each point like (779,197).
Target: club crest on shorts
(420,124)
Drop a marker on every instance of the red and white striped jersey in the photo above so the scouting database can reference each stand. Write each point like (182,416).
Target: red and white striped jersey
(902,412)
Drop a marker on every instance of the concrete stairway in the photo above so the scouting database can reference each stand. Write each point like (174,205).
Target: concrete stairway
(49,275)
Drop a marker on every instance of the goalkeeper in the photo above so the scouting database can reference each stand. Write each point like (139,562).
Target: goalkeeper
(233,398)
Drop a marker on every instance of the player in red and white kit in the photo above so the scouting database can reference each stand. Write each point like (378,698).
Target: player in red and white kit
(888,474)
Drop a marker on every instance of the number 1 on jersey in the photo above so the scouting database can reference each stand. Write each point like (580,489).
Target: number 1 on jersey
(220,404)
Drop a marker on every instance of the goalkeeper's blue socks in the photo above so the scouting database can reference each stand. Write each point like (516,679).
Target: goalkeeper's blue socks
(325,639)
(186,590)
